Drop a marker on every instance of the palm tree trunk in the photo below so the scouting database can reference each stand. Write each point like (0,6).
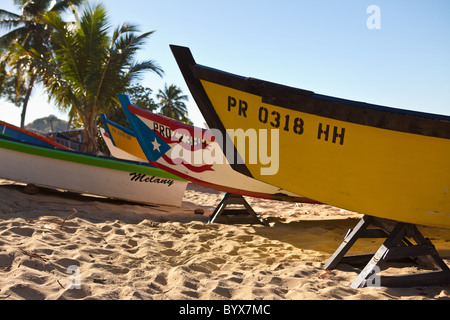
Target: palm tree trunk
(90,143)
(69,123)
(25,102)
(72,114)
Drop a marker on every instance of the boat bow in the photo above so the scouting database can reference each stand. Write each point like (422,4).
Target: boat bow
(381,161)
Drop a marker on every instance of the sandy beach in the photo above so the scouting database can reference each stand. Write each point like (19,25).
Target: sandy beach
(59,245)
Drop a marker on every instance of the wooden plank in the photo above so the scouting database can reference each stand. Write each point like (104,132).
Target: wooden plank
(432,278)
(224,214)
(374,233)
(411,251)
(348,242)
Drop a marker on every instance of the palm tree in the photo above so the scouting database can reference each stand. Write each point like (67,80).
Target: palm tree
(28,30)
(90,67)
(171,103)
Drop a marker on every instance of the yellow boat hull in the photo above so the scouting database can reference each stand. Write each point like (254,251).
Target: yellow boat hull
(378,161)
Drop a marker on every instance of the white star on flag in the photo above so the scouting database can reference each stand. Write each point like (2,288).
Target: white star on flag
(156,145)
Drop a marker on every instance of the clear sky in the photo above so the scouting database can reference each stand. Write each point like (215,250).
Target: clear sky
(324,46)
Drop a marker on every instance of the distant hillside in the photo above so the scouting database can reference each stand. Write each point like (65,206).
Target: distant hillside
(47,124)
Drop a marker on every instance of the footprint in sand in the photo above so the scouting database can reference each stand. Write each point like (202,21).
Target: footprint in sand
(66,262)
(191,284)
(223,291)
(37,264)
(120,232)
(170,253)
(106,228)
(27,292)
(83,292)
(25,232)
(6,261)
(161,279)
(130,244)
(114,269)
(167,244)
(237,280)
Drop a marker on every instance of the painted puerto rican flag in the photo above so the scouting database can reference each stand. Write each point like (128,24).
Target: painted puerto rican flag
(154,147)
(176,150)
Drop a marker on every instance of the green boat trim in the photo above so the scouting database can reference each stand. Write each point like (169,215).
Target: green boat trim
(82,158)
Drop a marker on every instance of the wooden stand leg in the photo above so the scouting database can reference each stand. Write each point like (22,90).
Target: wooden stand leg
(396,246)
(348,242)
(246,214)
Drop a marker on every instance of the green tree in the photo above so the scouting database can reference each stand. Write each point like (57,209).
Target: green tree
(28,30)
(10,88)
(172,103)
(90,67)
(140,96)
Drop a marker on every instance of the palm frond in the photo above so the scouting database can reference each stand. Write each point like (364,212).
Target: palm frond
(33,9)
(120,30)
(64,5)
(95,25)
(148,65)
(4,14)
(128,43)
(18,34)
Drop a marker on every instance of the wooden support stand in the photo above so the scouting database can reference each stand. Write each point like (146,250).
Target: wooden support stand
(244,215)
(396,246)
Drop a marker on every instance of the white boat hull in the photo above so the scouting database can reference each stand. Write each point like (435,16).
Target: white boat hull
(89,179)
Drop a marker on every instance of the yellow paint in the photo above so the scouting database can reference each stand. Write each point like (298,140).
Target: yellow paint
(379,172)
(126,142)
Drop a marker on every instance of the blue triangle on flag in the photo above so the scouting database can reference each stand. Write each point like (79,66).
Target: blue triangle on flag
(153,146)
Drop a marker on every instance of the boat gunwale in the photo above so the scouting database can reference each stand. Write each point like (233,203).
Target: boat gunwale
(193,130)
(32,134)
(305,101)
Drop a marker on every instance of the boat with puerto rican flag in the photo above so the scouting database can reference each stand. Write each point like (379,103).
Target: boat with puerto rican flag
(380,161)
(189,152)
